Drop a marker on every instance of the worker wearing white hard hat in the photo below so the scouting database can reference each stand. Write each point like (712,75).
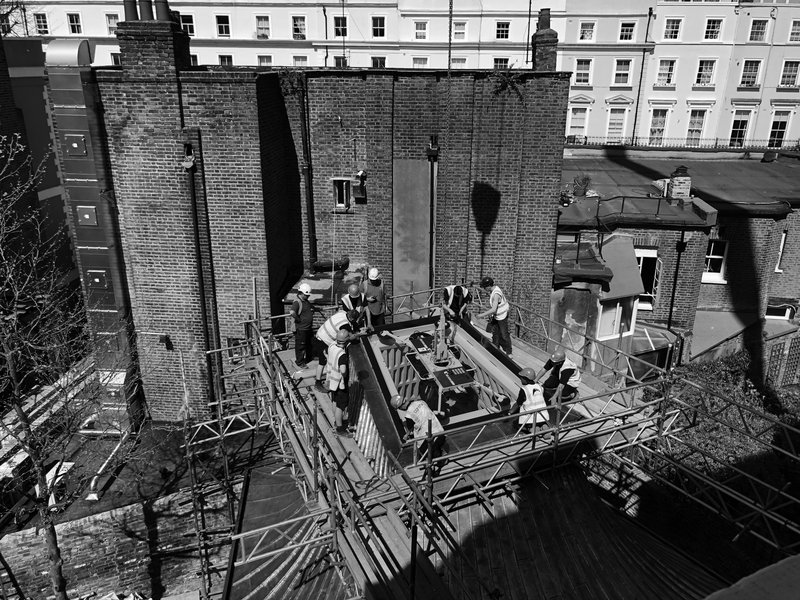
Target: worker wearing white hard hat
(302,313)
(564,377)
(373,291)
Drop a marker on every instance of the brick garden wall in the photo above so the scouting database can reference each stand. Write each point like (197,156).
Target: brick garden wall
(146,549)
(787,283)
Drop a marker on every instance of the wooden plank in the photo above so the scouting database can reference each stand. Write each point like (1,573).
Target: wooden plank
(520,584)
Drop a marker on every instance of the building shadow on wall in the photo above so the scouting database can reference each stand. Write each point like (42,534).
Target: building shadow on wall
(745,293)
(485,202)
(280,179)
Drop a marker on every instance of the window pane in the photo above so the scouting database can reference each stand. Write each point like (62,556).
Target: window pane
(503,29)
(265,61)
(626,31)
(111,23)
(666,72)
(74,21)
(616,124)
(226,60)
(794,34)
(223,26)
(459,30)
(583,67)
(459,62)
(750,73)
(758,30)
(577,121)
(713,28)
(420,30)
(340,26)
(695,130)
(419,62)
(500,63)
(622,72)
(378,62)
(340,62)
(586,33)
(378,26)
(658,123)
(262,28)
(187,23)
(299,28)
(777,132)
(789,74)
(672,29)
(741,120)
(705,72)
(300,61)
(42,28)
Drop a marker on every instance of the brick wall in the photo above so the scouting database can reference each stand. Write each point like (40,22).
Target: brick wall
(751,257)
(787,283)
(144,549)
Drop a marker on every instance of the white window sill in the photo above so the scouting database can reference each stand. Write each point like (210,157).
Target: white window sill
(714,280)
(606,338)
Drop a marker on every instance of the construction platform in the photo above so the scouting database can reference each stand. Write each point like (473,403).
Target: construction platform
(373,498)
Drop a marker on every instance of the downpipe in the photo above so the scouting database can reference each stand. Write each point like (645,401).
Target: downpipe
(94,495)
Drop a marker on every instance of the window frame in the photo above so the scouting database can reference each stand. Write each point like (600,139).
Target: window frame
(299,22)
(617,72)
(756,79)
(612,110)
(225,63)
(463,32)
(618,308)
(590,40)
(678,32)
(772,131)
(259,35)
(462,62)
(342,198)
(267,63)
(220,26)
(794,32)
(746,131)
(632,38)
(502,30)
(112,29)
(588,72)
(689,128)
(672,74)
(717,277)
(719,29)
(381,27)
(764,36)
(187,24)
(423,65)
(501,59)
(78,23)
(37,25)
(710,82)
(647,253)
(571,120)
(378,58)
(116,59)
(301,58)
(341,28)
(340,62)
(781,249)
(653,110)
(796,80)
(421,31)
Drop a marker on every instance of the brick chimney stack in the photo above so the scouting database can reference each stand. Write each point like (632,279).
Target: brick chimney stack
(544,43)
(152,47)
(680,184)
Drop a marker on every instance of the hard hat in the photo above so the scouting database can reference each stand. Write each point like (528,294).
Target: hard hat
(396,401)
(487,282)
(558,356)
(342,335)
(528,374)
(353,315)
(304,288)
(373,273)
(353,290)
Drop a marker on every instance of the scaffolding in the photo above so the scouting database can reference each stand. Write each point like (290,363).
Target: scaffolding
(634,420)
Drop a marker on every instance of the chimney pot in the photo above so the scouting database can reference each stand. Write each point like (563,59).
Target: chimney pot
(131,14)
(162,11)
(146,10)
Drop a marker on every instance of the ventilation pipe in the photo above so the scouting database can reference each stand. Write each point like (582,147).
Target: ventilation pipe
(146,10)
(131,14)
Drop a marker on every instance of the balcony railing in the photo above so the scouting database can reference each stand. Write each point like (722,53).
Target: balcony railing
(722,144)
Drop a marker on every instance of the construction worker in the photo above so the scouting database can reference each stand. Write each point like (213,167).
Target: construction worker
(337,364)
(326,337)
(455,301)
(372,289)
(531,397)
(497,315)
(562,384)
(355,300)
(416,415)
(303,314)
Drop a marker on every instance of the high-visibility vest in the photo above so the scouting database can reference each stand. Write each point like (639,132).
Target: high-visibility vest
(335,376)
(534,398)
(502,305)
(327,331)
(347,301)
(420,413)
(575,378)
(451,294)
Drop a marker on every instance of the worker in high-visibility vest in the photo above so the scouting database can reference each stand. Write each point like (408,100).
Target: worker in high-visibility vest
(417,418)
(455,301)
(337,366)
(497,315)
(562,383)
(531,397)
(375,293)
(355,299)
(326,337)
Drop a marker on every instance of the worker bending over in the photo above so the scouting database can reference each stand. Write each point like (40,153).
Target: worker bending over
(326,337)
(336,367)
(455,301)
(563,380)
(531,397)
(416,415)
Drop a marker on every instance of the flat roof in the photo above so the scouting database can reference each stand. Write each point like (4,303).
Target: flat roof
(732,186)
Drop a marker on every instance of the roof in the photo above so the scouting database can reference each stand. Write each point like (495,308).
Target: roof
(636,211)
(732,186)
(620,256)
